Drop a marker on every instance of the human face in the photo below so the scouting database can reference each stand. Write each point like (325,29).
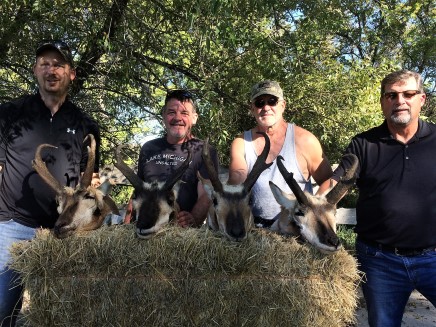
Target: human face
(401,110)
(179,117)
(265,112)
(53,73)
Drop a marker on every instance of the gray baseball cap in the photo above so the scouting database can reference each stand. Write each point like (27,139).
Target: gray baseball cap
(266,87)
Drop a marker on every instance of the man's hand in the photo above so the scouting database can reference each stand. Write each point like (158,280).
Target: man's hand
(185,219)
(95,182)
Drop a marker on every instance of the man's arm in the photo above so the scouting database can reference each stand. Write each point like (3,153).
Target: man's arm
(238,169)
(318,166)
(198,214)
(201,207)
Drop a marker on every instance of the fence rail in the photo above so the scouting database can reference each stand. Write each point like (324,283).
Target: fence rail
(346,216)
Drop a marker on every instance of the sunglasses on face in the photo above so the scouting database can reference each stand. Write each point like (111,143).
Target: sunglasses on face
(260,103)
(406,94)
(181,95)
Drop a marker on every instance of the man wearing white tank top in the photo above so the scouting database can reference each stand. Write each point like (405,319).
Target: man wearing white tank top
(300,149)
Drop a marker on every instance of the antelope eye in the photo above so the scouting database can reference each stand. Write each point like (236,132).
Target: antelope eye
(89,196)
(299,213)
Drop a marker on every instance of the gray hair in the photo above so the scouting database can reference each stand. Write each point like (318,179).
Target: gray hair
(401,75)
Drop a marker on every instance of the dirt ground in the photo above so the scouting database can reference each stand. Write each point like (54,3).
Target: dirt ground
(419,313)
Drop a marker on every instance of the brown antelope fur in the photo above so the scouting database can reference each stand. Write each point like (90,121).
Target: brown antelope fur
(154,203)
(230,212)
(311,217)
(82,208)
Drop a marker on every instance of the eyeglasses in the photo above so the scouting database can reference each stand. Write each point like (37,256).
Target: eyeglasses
(260,103)
(406,94)
(181,95)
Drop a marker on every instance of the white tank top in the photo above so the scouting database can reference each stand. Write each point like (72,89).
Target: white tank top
(263,203)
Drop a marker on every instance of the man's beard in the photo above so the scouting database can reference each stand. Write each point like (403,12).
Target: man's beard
(401,119)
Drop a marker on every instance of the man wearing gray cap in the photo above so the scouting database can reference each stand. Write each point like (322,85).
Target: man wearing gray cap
(301,150)
(27,203)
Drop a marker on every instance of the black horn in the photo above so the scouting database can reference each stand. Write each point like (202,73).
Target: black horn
(177,174)
(292,183)
(259,166)
(213,175)
(346,181)
(126,170)
(86,179)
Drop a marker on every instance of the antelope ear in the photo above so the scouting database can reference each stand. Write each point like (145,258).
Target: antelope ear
(283,198)
(207,185)
(106,187)
(99,197)
(176,187)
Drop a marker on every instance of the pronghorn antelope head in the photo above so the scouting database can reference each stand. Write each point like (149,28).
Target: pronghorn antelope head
(311,217)
(154,203)
(230,212)
(82,208)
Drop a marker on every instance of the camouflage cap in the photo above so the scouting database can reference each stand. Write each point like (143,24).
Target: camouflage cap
(266,87)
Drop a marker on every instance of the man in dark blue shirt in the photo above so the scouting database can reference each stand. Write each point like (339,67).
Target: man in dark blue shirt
(26,201)
(396,207)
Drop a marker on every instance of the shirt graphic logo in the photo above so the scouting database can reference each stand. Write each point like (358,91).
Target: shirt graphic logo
(72,131)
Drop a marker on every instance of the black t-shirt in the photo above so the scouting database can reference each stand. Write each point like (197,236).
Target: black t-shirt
(158,159)
(397,187)
(24,124)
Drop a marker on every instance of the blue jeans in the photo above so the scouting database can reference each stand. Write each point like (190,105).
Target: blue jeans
(10,287)
(390,279)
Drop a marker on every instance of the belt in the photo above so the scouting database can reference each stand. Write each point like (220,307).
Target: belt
(407,252)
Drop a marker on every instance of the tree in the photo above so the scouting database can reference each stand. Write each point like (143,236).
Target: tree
(329,56)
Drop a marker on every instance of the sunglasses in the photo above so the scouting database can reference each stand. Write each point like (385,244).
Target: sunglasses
(181,95)
(406,94)
(260,103)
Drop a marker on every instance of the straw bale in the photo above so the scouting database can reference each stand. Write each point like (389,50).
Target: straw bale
(183,277)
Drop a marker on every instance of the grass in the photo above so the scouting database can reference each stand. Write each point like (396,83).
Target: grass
(347,237)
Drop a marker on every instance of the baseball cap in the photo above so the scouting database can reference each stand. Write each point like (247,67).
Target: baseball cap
(59,46)
(266,87)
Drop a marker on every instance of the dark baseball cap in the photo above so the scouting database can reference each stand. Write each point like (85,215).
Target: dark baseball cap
(59,46)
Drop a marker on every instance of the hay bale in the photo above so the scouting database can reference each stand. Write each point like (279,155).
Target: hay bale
(184,277)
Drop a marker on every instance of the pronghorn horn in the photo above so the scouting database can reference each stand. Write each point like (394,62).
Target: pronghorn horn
(259,166)
(86,179)
(126,170)
(41,168)
(292,183)
(177,173)
(213,176)
(344,184)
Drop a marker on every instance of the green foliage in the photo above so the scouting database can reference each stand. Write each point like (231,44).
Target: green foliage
(347,236)
(329,56)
